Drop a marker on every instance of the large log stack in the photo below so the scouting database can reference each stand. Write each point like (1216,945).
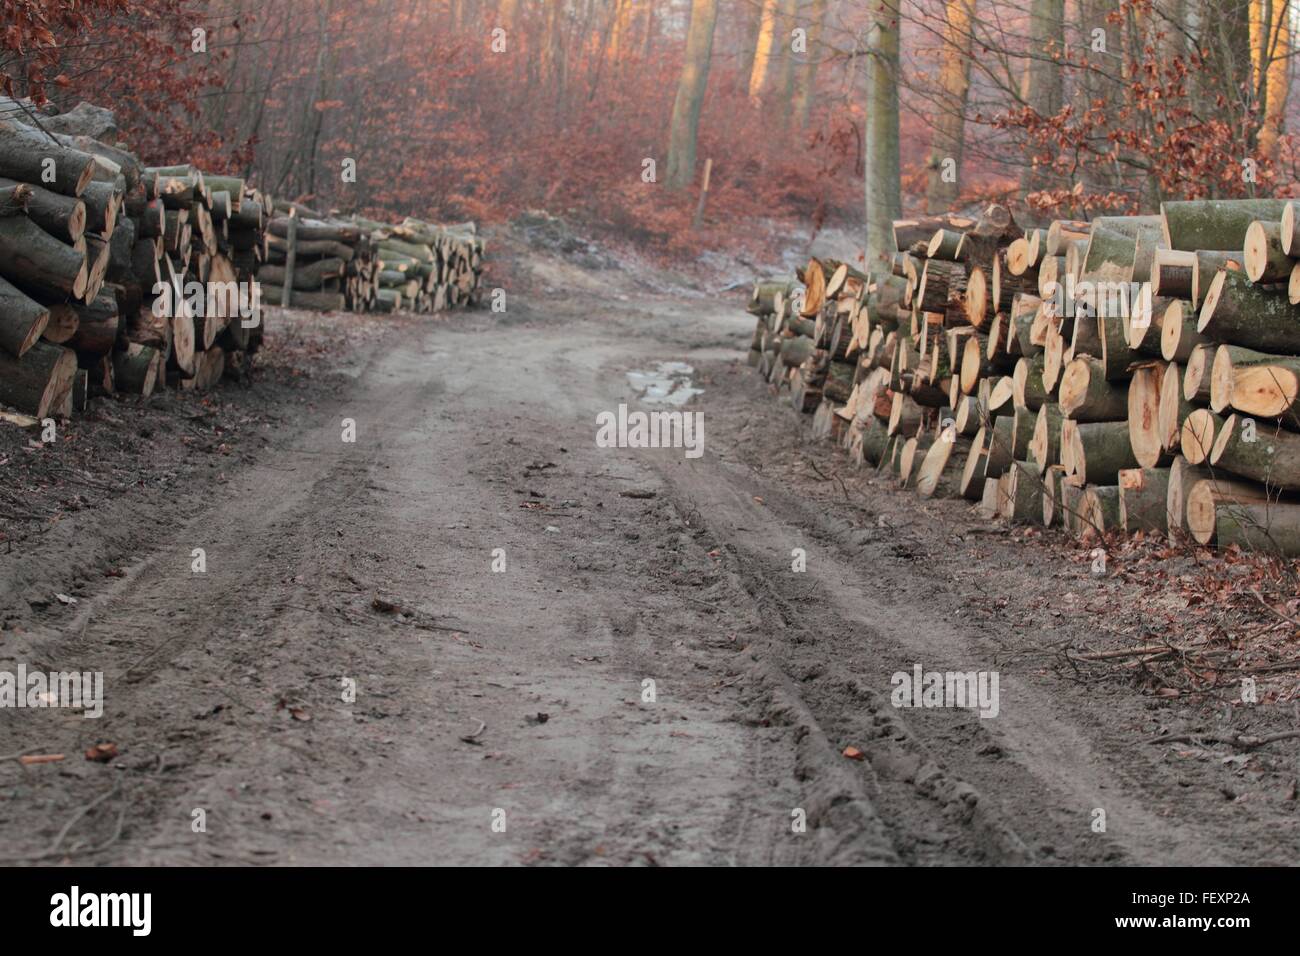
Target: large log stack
(363,265)
(1132,373)
(104,264)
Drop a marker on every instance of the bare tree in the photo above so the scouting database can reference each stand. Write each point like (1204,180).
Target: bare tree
(684,129)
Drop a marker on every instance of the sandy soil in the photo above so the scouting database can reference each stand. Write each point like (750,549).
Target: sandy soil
(520,696)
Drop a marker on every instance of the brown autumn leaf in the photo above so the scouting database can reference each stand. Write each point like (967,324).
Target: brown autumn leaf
(853,753)
(102,752)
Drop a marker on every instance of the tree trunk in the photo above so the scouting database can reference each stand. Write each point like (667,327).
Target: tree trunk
(883,189)
(807,79)
(763,50)
(948,136)
(1042,89)
(684,128)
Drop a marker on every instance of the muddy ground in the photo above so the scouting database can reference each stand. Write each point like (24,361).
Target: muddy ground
(520,696)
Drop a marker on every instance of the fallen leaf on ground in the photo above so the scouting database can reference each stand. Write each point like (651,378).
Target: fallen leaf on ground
(101,753)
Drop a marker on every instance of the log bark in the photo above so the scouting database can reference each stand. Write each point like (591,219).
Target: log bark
(1250,513)
(1143,500)
(1086,396)
(1270,456)
(33,259)
(1099,451)
(1243,314)
(63,217)
(22,320)
(24,152)
(1098,511)
(1024,494)
(1028,388)
(38,383)
(98,325)
(136,368)
(320,301)
(1215,223)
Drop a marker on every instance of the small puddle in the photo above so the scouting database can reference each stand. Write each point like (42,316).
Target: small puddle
(669,383)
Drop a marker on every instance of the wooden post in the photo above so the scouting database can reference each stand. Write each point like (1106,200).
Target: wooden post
(290,255)
(704,194)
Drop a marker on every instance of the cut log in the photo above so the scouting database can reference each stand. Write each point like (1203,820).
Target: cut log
(63,217)
(1269,389)
(1215,223)
(910,457)
(39,381)
(320,301)
(1108,258)
(1290,223)
(794,351)
(974,469)
(1228,359)
(1024,494)
(1174,410)
(32,259)
(26,154)
(1098,512)
(904,415)
(1270,456)
(22,320)
(1098,452)
(1052,509)
(1199,430)
(1086,396)
(1263,254)
(1196,377)
(136,368)
(1061,232)
(1028,388)
(1000,438)
(1178,334)
(1247,513)
(1116,353)
(1045,445)
(1144,395)
(1182,477)
(1143,500)
(1243,314)
(97,326)
(934,477)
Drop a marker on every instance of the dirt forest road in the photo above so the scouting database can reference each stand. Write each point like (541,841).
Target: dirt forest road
(505,716)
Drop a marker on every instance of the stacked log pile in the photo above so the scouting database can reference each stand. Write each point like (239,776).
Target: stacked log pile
(1128,374)
(115,277)
(362,265)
